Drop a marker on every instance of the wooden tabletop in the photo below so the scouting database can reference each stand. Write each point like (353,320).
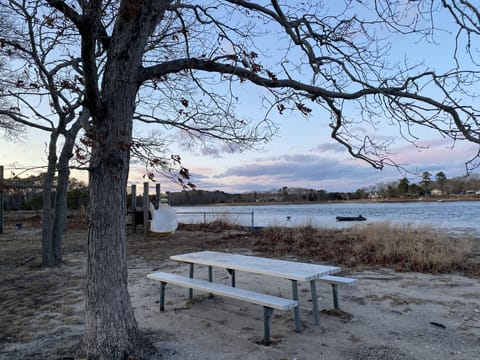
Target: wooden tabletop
(291,270)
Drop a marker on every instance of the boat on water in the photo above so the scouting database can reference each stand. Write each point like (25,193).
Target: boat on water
(351,218)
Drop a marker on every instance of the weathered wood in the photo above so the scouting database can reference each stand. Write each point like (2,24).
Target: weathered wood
(1,199)
(146,204)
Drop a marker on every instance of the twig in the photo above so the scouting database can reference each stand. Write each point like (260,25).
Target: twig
(26,261)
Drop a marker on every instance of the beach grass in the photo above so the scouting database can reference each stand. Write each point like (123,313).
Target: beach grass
(405,247)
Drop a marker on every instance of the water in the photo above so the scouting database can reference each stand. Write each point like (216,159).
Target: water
(454,217)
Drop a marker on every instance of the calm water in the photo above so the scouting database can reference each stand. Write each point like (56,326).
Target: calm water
(456,217)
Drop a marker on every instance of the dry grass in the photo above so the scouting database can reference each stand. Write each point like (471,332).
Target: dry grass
(413,248)
(403,247)
(218,225)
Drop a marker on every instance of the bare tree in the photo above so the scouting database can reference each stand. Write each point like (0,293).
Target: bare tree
(45,96)
(134,57)
(433,21)
(11,128)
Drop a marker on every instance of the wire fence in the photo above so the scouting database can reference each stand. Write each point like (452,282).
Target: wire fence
(195,217)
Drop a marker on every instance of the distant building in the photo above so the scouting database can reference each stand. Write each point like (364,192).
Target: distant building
(374,195)
(436,192)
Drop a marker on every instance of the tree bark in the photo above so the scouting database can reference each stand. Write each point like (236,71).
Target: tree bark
(61,205)
(111,329)
(54,215)
(48,253)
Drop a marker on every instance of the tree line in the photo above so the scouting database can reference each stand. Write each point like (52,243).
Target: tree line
(26,193)
(400,189)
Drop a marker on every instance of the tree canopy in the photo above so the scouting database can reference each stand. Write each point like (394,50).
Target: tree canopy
(184,65)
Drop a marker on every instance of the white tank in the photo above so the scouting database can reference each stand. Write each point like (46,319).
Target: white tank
(164,219)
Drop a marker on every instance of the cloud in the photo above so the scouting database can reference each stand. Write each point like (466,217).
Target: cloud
(299,170)
(326,166)
(331,147)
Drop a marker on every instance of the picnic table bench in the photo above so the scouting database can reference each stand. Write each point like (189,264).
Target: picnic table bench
(268,302)
(290,270)
(335,281)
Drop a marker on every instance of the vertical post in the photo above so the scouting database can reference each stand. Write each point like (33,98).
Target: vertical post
(267,314)
(296,309)
(159,196)
(134,207)
(1,199)
(335,297)
(162,296)
(190,274)
(145,208)
(253,221)
(313,290)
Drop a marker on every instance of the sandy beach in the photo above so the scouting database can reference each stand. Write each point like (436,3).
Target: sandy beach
(385,315)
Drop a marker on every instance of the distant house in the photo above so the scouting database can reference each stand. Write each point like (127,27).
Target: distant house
(374,195)
(436,192)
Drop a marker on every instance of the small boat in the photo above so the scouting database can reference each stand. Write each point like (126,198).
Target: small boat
(351,218)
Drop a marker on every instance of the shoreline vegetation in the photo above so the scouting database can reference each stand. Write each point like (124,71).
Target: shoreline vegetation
(402,247)
(42,313)
(353,201)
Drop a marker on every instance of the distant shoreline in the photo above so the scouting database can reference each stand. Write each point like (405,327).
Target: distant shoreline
(361,201)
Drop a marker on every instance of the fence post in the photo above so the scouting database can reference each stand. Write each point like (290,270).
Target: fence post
(1,199)
(159,196)
(134,207)
(253,221)
(145,208)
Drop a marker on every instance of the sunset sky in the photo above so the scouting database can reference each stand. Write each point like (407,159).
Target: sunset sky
(301,155)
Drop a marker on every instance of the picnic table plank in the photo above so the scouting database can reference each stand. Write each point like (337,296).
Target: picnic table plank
(291,270)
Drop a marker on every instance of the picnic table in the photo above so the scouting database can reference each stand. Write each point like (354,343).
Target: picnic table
(290,270)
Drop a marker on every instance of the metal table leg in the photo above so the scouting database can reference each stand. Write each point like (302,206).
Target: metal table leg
(232,273)
(313,290)
(162,296)
(296,309)
(335,297)
(267,314)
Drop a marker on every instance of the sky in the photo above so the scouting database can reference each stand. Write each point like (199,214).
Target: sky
(302,154)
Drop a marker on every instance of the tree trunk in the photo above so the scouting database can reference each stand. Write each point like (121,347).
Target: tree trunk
(111,329)
(60,214)
(48,253)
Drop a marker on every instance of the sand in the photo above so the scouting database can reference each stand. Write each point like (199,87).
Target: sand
(386,315)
